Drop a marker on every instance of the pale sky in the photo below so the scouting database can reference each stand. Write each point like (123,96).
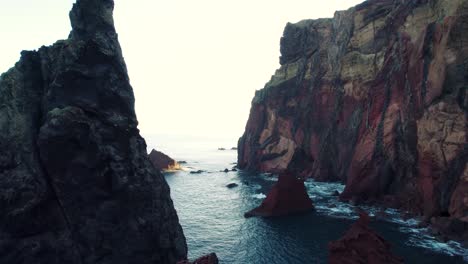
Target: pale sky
(194,65)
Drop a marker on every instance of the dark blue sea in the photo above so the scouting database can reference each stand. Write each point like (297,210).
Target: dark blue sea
(212,214)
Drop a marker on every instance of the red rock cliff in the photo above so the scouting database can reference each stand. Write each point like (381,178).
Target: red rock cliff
(375,97)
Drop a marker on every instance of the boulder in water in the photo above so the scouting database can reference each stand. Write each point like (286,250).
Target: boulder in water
(232,185)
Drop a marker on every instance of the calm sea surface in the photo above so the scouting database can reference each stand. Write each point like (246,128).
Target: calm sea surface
(212,215)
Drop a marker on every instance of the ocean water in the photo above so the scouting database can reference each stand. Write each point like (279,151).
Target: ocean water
(212,214)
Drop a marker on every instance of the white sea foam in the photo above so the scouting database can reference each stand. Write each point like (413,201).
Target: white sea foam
(327,204)
(420,237)
(259,196)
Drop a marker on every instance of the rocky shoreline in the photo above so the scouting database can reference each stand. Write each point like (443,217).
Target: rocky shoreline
(376,98)
(77,185)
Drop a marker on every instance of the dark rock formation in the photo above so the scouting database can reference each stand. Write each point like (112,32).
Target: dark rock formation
(76,185)
(162,161)
(375,97)
(361,244)
(197,172)
(208,259)
(288,196)
(449,227)
(232,185)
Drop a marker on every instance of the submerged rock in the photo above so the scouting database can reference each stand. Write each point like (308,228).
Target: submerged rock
(374,97)
(163,162)
(76,184)
(288,196)
(232,185)
(197,172)
(361,244)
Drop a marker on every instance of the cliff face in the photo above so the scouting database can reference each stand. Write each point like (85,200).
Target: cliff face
(76,185)
(375,97)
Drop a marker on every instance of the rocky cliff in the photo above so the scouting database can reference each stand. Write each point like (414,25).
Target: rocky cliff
(76,185)
(375,97)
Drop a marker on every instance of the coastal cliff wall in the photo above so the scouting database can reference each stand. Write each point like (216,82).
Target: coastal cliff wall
(375,97)
(76,185)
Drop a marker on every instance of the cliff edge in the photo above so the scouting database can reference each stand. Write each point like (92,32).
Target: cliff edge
(76,185)
(375,97)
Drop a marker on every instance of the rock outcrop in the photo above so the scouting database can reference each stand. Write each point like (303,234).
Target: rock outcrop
(288,196)
(163,162)
(361,244)
(208,259)
(375,97)
(76,184)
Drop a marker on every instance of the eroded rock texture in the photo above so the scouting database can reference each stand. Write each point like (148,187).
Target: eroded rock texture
(375,97)
(76,185)
(361,244)
(288,196)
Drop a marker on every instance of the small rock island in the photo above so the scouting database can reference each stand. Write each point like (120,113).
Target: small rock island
(163,162)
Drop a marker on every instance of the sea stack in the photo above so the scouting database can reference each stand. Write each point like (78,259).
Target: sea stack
(361,244)
(163,162)
(288,196)
(76,184)
(374,97)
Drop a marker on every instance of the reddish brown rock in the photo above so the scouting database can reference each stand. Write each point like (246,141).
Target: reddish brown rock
(374,97)
(288,196)
(361,244)
(208,259)
(163,162)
